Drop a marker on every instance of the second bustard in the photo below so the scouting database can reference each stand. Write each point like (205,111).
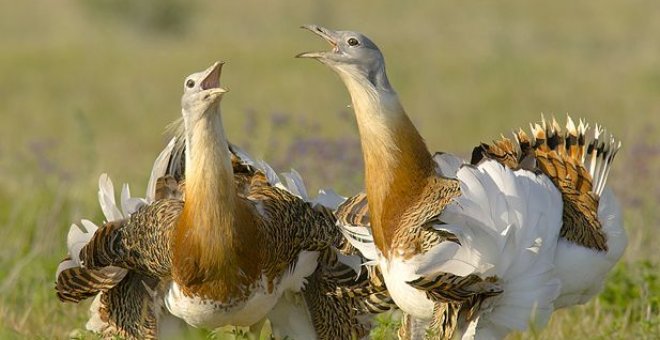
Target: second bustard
(467,248)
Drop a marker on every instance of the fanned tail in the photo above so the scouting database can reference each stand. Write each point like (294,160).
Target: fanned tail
(577,160)
(590,151)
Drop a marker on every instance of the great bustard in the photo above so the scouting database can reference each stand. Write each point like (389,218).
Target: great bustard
(224,255)
(463,247)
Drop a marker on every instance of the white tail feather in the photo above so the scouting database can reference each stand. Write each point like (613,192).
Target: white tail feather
(107,199)
(599,156)
(243,155)
(294,181)
(133,204)
(328,198)
(78,237)
(507,223)
(159,169)
(124,199)
(295,184)
(271,175)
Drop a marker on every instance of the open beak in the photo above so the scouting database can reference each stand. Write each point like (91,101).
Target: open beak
(329,35)
(212,78)
(217,91)
(211,82)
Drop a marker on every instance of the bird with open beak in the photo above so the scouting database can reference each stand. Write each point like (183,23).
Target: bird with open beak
(462,249)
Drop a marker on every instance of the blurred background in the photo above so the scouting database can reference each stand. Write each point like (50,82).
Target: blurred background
(89,86)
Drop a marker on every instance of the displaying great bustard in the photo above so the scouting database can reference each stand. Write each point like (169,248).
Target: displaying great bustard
(220,248)
(480,248)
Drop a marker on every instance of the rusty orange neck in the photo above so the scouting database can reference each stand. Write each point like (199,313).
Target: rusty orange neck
(209,233)
(397,161)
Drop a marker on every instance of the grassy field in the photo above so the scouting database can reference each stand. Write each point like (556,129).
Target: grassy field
(88,86)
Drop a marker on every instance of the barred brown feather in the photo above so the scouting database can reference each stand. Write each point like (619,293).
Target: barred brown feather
(354,211)
(445,320)
(139,243)
(447,287)
(77,284)
(577,168)
(128,309)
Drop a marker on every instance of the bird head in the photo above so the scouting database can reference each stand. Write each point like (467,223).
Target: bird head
(202,92)
(353,55)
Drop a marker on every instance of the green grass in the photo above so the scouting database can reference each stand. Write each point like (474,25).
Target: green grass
(88,86)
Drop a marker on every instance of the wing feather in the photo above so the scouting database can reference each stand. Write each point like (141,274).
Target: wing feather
(159,169)
(107,199)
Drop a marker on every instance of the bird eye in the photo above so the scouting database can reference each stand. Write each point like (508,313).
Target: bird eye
(190,83)
(353,42)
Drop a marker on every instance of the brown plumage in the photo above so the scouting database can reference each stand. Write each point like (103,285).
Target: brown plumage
(452,293)
(340,304)
(365,292)
(564,158)
(77,284)
(135,293)
(218,233)
(354,211)
(138,243)
(405,228)
(409,195)
(125,303)
(445,320)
